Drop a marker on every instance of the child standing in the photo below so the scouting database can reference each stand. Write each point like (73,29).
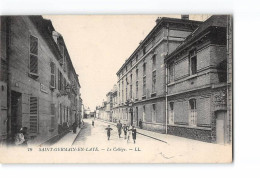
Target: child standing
(108,131)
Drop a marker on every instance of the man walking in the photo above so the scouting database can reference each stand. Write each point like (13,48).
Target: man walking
(134,133)
(125,129)
(119,128)
(108,132)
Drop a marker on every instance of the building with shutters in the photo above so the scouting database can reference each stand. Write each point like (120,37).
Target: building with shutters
(197,84)
(142,78)
(40,89)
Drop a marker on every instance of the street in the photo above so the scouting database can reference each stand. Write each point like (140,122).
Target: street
(177,149)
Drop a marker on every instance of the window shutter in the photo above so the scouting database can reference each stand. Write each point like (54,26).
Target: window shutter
(53,68)
(53,109)
(33,64)
(33,55)
(33,114)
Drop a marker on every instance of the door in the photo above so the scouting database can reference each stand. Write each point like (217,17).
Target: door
(16,112)
(220,127)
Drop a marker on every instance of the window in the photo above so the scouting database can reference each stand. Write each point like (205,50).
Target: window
(144,86)
(193,62)
(61,48)
(136,74)
(60,114)
(53,75)
(171,72)
(53,116)
(154,82)
(154,62)
(65,63)
(59,80)
(33,56)
(34,114)
(131,92)
(153,112)
(144,50)
(171,113)
(143,113)
(136,90)
(144,69)
(192,112)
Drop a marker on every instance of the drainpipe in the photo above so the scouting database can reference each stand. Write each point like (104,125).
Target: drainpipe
(9,132)
(166,83)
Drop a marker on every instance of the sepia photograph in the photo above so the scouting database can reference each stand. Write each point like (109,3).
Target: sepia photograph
(116,88)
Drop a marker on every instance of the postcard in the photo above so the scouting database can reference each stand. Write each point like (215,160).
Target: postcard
(116,89)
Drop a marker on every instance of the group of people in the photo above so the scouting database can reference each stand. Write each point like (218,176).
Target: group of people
(129,131)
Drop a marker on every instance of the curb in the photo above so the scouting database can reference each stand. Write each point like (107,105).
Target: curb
(137,132)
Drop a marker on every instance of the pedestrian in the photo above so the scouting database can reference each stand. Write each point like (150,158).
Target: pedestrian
(129,133)
(140,123)
(21,138)
(125,129)
(119,128)
(134,133)
(74,126)
(93,123)
(108,131)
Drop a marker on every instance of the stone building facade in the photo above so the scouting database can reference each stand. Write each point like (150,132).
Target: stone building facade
(142,78)
(40,87)
(197,84)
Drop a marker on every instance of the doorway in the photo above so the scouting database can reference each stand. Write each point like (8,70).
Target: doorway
(16,113)
(220,127)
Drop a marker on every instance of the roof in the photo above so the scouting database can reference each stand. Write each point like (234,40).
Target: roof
(159,23)
(213,21)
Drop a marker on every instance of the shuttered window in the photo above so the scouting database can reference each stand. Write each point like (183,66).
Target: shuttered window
(53,75)
(53,111)
(144,86)
(171,113)
(192,112)
(154,81)
(34,114)
(153,113)
(33,56)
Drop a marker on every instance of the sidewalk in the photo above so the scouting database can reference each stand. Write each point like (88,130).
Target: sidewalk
(68,139)
(166,138)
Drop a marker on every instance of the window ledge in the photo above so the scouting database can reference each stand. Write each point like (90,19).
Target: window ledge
(192,76)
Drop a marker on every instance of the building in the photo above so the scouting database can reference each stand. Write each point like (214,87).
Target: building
(40,89)
(115,113)
(142,78)
(197,84)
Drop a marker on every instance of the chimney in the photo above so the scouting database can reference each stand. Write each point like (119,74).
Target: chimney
(185,17)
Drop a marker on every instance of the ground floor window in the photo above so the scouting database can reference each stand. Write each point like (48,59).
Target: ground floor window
(171,113)
(153,113)
(143,113)
(192,112)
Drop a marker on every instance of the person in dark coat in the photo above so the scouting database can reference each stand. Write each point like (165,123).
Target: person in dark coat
(74,126)
(140,123)
(108,131)
(133,133)
(125,129)
(93,123)
(119,128)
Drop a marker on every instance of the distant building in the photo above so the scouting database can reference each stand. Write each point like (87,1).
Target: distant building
(40,89)
(197,84)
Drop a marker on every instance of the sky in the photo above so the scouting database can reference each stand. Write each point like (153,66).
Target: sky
(99,45)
